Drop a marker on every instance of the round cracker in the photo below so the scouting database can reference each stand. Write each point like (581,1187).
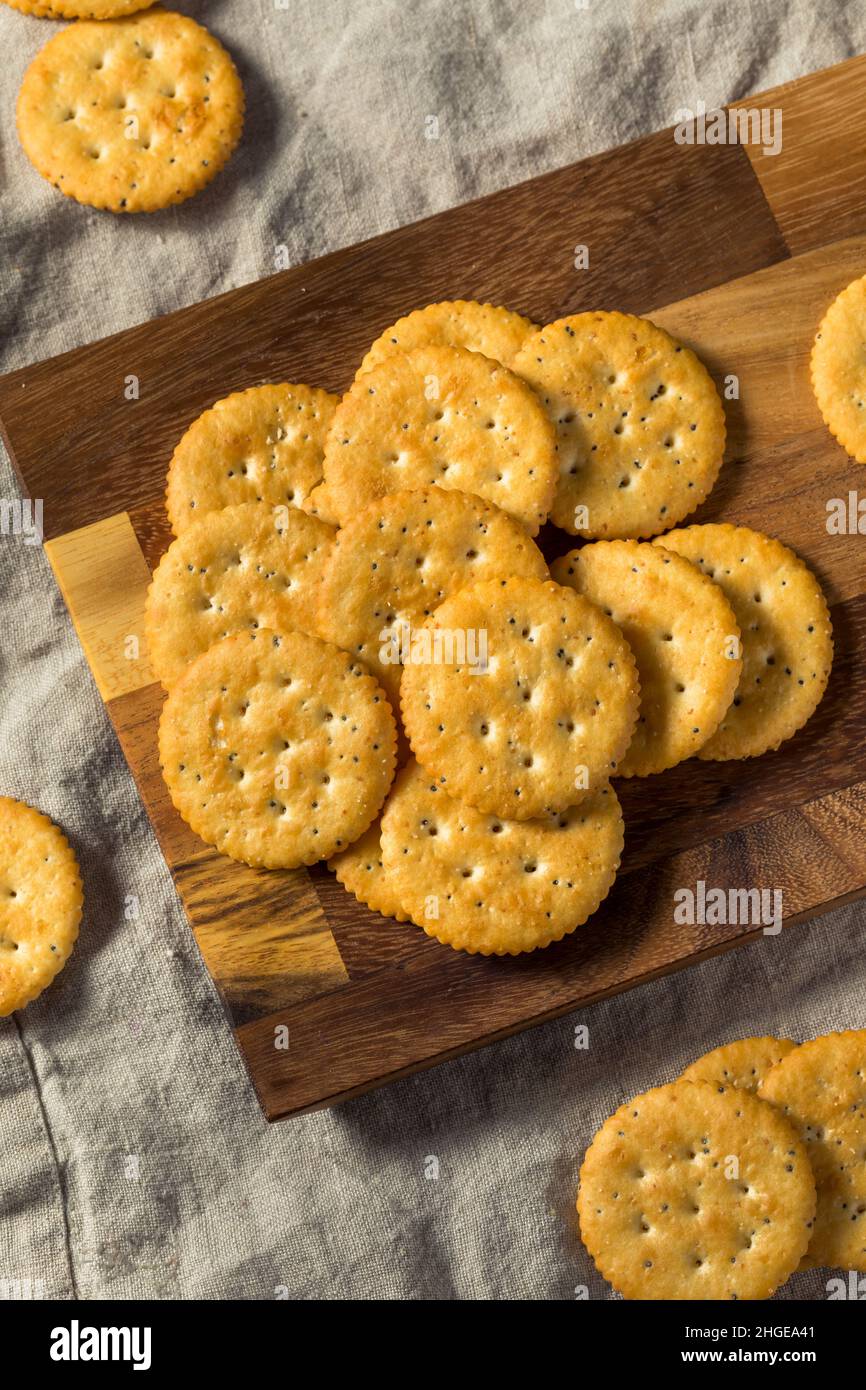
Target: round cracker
(40,903)
(744,1063)
(491,886)
(684,638)
(277,748)
(787,636)
(131,114)
(640,427)
(486,328)
(243,568)
(821,1088)
(79,9)
(692,1192)
(447,416)
(539,724)
(838,369)
(361,872)
(395,562)
(262,445)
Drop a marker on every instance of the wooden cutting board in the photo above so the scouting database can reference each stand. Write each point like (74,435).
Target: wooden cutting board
(737,252)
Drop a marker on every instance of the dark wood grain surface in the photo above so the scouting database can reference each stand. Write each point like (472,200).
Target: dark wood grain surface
(437,1003)
(642,210)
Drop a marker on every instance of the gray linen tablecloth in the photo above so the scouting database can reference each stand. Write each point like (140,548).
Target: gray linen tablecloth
(134,1160)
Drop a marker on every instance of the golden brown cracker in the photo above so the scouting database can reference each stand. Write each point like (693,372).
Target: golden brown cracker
(79,9)
(639,424)
(692,1192)
(684,638)
(319,504)
(243,568)
(40,903)
(787,636)
(522,697)
(395,562)
(265,444)
(820,1087)
(444,416)
(490,886)
(743,1063)
(486,328)
(361,872)
(277,748)
(838,369)
(131,114)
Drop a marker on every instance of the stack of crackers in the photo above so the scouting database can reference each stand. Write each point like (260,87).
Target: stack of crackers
(355,587)
(722,1184)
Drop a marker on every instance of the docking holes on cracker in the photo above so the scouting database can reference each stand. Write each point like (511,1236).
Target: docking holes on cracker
(277,748)
(443,416)
(131,114)
(492,886)
(693,1191)
(243,568)
(684,637)
(744,1063)
(394,563)
(820,1088)
(640,428)
(40,903)
(265,444)
(496,333)
(533,703)
(784,623)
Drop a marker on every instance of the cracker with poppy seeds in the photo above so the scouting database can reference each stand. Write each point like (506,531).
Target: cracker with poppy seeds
(695,1192)
(131,114)
(820,1088)
(395,562)
(838,371)
(684,637)
(491,886)
(79,9)
(744,1063)
(787,636)
(486,328)
(243,568)
(40,903)
(640,427)
(265,444)
(523,698)
(362,873)
(444,416)
(277,748)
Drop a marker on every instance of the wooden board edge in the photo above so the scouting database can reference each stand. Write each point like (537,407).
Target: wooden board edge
(217,893)
(274,1113)
(351,1043)
(16,379)
(290,956)
(662,180)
